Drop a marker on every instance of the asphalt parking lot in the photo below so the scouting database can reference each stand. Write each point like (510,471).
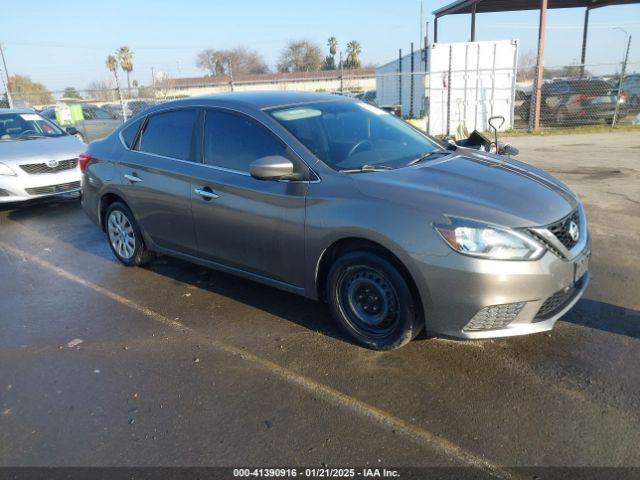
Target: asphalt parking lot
(179,365)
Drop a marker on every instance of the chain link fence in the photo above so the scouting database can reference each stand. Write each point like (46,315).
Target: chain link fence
(448,102)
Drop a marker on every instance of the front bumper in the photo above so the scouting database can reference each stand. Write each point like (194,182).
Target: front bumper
(22,186)
(520,294)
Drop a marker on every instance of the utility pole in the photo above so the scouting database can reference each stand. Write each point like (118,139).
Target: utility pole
(6,72)
(622,73)
(341,75)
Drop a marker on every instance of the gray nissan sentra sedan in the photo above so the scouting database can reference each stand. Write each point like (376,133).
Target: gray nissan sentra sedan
(336,200)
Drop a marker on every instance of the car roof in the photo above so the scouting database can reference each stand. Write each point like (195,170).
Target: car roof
(258,100)
(17,110)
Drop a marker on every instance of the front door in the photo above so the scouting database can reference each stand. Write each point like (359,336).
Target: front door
(240,221)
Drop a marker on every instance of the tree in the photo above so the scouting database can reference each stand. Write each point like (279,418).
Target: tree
(112,65)
(300,56)
(354,49)
(240,60)
(330,60)
(24,89)
(329,63)
(332,43)
(101,90)
(71,92)
(125,57)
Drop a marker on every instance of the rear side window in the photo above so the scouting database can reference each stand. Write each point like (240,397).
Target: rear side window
(234,141)
(169,134)
(130,132)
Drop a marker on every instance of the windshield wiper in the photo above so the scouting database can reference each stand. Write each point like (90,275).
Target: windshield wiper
(367,168)
(427,155)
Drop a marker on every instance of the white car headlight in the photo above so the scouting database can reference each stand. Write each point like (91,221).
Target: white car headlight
(5,170)
(487,241)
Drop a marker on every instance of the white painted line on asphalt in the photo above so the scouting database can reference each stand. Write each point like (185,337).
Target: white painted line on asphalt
(417,434)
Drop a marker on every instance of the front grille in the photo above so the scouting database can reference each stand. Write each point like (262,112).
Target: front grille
(555,303)
(494,316)
(38,168)
(561,229)
(62,187)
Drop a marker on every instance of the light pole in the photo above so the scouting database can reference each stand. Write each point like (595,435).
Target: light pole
(622,73)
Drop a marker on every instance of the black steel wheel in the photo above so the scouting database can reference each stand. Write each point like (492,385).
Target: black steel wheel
(372,301)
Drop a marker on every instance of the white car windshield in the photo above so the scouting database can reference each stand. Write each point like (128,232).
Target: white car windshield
(26,126)
(355,135)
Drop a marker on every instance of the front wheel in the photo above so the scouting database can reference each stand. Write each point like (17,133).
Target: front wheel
(372,302)
(124,236)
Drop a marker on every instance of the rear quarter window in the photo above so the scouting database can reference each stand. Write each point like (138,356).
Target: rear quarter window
(129,133)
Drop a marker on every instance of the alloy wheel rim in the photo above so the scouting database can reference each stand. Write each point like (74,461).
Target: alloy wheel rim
(121,234)
(369,301)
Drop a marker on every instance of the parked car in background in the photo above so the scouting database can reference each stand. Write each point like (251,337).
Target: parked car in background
(574,102)
(631,88)
(37,157)
(369,97)
(131,107)
(97,122)
(335,199)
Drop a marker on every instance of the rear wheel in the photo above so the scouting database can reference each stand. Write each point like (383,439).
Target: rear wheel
(124,236)
(372,301)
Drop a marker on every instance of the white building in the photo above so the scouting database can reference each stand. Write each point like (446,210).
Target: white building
(456,86)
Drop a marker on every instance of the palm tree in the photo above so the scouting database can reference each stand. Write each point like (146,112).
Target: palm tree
(354,49)
(125,56)
(332,43)
(112,66)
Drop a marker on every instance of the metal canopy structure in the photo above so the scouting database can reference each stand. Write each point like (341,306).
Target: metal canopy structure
(473,7)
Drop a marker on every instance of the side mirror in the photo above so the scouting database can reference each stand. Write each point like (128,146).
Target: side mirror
(272,167)
(71,130)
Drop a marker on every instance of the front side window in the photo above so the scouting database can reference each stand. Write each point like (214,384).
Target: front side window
(169,134)
(234,141)
(351,135)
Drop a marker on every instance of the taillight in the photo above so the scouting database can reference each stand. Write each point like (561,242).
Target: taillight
(83,161)
(580,98)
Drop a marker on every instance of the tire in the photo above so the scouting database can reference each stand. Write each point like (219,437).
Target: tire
(371,300)
(124,237)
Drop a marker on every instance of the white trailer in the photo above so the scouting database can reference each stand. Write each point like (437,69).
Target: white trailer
(456,86)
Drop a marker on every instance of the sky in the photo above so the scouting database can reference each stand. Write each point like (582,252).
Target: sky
(62,47)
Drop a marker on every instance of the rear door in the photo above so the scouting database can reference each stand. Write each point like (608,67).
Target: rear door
(240,221)
(156,177)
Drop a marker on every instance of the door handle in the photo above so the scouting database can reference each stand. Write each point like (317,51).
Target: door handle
(206,193)
(133,178)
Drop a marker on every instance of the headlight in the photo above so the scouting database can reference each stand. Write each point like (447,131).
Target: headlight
(5,170)
(487,241)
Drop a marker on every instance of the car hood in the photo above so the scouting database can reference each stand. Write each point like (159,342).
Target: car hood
(40,149)
(478,186)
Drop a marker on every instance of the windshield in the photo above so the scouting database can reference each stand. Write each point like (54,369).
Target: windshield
(26,126)
(354,135)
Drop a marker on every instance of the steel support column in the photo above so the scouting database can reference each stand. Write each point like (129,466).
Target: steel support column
(535,125)
(435,30)
(473,22)
(585,29)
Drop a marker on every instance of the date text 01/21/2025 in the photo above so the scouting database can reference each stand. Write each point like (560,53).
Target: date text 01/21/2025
(315,473)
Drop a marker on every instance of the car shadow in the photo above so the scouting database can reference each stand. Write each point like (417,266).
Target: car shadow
(85,236)
(605,317)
